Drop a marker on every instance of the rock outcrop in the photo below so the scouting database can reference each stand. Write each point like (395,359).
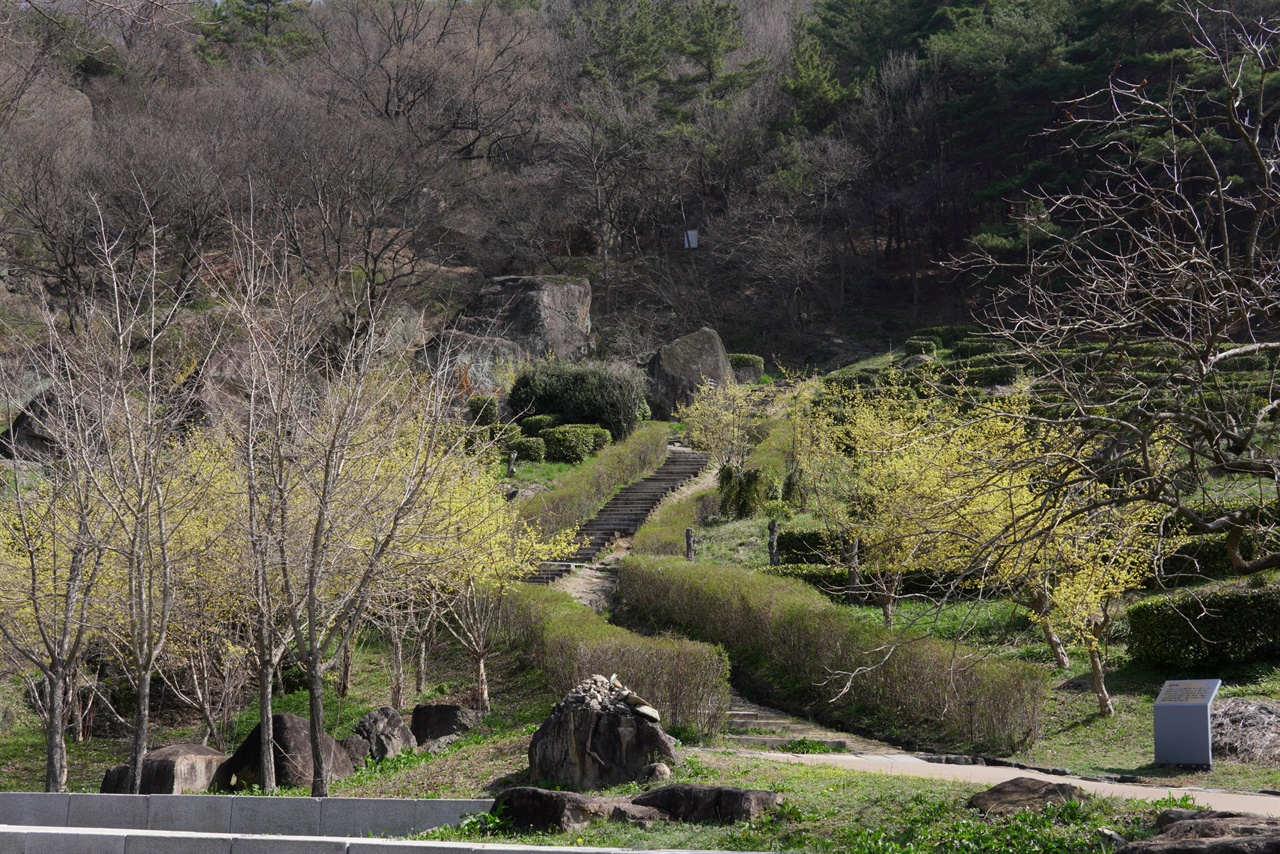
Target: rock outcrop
(177,769)
(601,734)
(379,734)
(531,808)
(292,748)
(434,725)
(1209,832)
(1025,793)
(540,314)
(678,369)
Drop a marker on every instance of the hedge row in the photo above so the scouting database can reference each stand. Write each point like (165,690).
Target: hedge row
(746,361)
(1236,624)
(786,641)
(687,681)
(582,492)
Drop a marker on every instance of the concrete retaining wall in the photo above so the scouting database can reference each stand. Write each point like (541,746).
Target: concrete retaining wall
(235,814)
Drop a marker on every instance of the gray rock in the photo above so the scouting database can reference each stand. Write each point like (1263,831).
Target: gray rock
(540,314)
(385,732)
(530,808)
(1022,793)
(1210,833)
(678,369)
(292,749)
(594,739)
(719,804)
(432,721)
(177,769)
(657,772)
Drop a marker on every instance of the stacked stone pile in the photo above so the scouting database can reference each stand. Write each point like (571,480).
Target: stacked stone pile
(608,695)
(601,734)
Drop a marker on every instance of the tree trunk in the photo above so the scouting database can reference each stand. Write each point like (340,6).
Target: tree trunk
(267,760)
(320,762)
(141,723)
(55,768)
(887,602)
(1055,644)
(773,542)
(397,669)
(1105,708)
(420,665)
(482,685)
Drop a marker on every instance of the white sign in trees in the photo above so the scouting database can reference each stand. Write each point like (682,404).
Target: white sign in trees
(1183,734)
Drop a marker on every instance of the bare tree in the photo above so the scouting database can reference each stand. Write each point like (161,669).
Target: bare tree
(1149,300)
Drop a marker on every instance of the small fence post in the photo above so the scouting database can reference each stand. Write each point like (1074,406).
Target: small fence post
(688,544)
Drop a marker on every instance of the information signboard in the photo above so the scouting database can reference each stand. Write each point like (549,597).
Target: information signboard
(1183,733)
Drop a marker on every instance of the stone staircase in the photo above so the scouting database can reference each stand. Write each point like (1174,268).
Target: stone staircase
(626,512)
(761,728)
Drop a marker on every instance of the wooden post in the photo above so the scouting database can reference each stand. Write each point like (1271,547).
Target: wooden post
(511,464)
(773,542)
(688,544)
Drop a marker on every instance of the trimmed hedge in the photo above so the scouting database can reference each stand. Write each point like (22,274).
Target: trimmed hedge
(925,344)
(1235,624)
(785,641)
(949,335)
(573,443)
(582,492)
(529,449)
(687,681)
(807,547)
(750,361)
(483,410)
(535,424)
(583,393)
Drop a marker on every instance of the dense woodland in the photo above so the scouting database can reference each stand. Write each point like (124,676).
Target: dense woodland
(830,155)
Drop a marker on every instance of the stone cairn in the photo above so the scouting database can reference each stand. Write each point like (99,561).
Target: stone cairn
(608,695)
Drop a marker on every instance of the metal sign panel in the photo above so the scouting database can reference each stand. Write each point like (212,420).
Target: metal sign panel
(1183,734)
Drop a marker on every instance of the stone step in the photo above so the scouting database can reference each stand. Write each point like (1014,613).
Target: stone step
(771,742)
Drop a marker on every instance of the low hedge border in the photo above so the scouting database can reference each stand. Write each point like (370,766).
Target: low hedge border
(687,681)
(1233,624)
(787,642)
(573,443)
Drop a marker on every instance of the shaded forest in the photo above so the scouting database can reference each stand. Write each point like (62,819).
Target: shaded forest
(829,155)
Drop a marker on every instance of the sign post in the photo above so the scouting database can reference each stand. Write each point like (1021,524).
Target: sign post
(1183,733)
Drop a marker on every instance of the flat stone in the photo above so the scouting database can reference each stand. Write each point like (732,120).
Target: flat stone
(1022,793)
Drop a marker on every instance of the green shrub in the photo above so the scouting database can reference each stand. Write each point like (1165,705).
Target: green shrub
(573,443)
(968,347)
(949,335)
(921,344)
(584,393)
(742,491)
(687,681)
(746,361)
(807,547)
(1233,624)
(535,424)
(483,410)
(581,493)
(529,449)
(785,641)
(504,435)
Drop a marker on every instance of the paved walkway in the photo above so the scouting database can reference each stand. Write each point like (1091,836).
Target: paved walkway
(913,766)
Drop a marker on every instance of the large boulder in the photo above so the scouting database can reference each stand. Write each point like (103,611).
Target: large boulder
(1247,730)
(177,769)
(601,734)
(436,722)
(1025,793)
(717,804)
(291,742)
(541,314)
(379,734)
(529,808)
(678,369)
(478,362)
(1186,831)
